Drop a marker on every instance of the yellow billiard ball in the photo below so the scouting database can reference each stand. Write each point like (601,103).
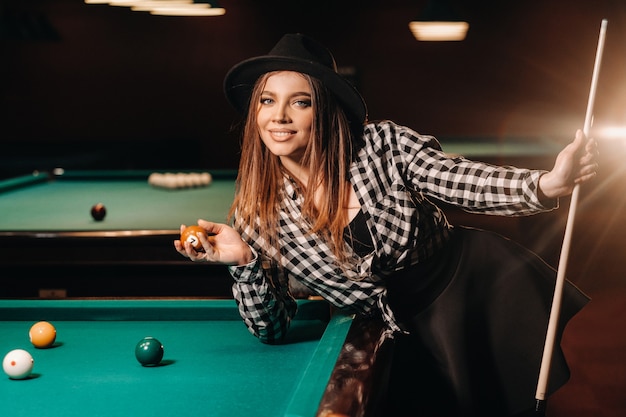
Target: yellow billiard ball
(42,335)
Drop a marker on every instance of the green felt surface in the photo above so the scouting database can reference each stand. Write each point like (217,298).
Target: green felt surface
(212,366)
(472,149)
(64,202)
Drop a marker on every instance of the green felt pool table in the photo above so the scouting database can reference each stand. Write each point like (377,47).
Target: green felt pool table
(48,236)
(60,203)
(212,365)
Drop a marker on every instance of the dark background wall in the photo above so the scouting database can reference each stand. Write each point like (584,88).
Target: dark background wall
(102,86)
(95,86)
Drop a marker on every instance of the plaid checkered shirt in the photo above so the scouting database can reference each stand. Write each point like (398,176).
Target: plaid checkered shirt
(394,174)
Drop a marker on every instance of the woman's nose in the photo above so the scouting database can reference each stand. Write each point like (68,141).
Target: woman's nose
(281,114)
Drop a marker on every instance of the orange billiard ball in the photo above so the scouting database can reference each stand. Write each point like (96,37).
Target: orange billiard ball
(191,234)
(42,334)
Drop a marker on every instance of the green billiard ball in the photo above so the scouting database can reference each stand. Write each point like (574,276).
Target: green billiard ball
(149,351)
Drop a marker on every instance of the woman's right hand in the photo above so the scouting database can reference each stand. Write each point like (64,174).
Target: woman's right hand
(222,244)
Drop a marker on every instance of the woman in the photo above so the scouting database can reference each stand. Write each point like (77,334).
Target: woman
(341,206)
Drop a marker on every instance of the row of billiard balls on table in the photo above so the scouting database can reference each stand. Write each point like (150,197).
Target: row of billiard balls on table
(19,363)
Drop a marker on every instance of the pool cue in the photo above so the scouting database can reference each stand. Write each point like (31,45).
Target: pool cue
(546,361)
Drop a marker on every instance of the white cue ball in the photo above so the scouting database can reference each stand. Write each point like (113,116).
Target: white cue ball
(169,180)
(187,181)
(196,181)
(206,178)
(155,179)
(18,364)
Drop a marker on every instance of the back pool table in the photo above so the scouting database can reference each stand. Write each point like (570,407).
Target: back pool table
(50,241)
(212,366)
(50,246)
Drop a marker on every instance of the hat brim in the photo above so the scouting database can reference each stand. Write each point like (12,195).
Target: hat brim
(240,80)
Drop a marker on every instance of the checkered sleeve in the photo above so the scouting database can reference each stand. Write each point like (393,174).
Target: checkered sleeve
(473,186)
(262,296)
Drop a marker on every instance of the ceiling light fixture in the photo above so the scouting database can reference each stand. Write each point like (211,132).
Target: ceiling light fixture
(168,7)
(438,22)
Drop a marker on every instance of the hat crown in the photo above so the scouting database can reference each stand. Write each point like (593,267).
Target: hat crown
(299,53)
(298,46)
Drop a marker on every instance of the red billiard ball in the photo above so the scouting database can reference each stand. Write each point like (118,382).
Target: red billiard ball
(149,351)
(42,334)
(98,211)
(191,234)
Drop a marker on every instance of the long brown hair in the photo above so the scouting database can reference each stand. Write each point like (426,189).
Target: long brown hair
(327,158)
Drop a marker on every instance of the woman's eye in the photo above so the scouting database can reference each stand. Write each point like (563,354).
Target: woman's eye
(303,103)
(266,100)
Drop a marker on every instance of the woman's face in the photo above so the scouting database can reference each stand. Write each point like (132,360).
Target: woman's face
(285,115)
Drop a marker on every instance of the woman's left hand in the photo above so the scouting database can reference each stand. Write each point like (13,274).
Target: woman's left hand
(575,164)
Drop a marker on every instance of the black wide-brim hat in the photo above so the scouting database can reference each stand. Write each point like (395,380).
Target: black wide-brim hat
(294,52)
